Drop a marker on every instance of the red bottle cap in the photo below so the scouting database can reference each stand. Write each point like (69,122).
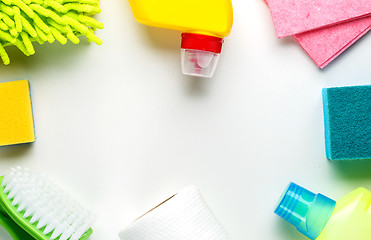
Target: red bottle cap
(202,42)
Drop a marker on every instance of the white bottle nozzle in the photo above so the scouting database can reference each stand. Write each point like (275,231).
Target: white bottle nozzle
(199,63)
(200,54)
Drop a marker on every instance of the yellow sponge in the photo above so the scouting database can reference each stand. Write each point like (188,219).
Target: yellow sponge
(16,120)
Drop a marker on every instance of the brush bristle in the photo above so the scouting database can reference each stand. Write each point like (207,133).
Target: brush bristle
(45,205)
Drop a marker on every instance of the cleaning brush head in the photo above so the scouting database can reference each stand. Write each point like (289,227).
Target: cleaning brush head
(41,208)
(25,21)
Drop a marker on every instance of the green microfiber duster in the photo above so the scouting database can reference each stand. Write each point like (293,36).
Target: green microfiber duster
(25,21)
(347,112)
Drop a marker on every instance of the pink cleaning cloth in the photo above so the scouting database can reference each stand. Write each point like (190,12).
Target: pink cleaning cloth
(325,44)
(292,17)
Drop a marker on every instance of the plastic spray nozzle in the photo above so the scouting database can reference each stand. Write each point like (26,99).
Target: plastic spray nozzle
(200,54)
(307,211)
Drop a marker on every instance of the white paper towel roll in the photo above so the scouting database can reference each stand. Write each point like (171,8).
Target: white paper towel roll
(185,216)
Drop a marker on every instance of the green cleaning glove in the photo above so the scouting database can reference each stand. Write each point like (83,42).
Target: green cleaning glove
(25,21)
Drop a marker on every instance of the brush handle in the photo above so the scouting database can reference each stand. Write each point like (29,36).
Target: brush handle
(15,231)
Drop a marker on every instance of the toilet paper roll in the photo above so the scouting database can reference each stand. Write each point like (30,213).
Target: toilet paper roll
(185,216)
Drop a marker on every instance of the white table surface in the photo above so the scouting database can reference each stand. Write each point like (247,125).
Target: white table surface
(122,129)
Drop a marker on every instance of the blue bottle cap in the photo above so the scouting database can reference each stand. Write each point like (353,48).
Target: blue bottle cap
(307,211)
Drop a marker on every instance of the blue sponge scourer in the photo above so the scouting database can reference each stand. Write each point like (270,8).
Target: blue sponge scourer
(347,112)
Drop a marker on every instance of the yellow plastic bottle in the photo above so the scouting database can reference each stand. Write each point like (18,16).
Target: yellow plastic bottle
(321,218)
(204,24)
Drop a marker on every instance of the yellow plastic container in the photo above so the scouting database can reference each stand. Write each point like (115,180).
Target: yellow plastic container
(204,24)
(321,218)
(351,218)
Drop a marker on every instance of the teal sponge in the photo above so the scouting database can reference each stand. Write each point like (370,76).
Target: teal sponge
(347,112)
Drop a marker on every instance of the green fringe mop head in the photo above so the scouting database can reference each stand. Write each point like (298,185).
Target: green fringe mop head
(25,21)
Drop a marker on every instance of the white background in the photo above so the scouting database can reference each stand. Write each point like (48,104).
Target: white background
(122,129)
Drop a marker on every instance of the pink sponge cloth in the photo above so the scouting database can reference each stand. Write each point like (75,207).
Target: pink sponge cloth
(292,17)
(325,44)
